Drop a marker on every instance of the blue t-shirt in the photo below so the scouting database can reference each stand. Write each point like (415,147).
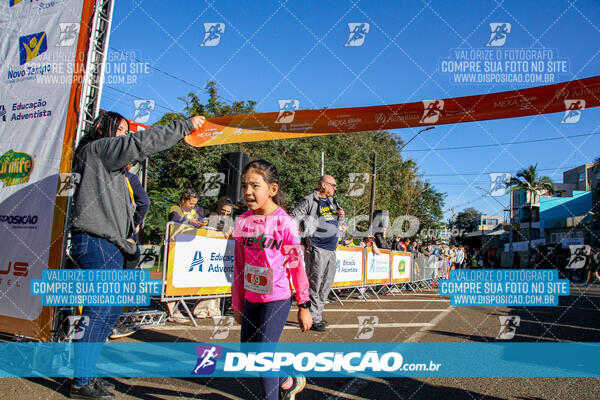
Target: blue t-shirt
(326,235)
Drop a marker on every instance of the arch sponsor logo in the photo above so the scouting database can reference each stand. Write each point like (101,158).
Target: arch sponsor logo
(15,168)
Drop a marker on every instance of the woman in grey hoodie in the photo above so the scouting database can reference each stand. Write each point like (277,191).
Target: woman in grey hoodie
(102,221)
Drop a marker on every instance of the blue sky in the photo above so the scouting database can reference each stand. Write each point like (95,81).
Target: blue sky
(295,50)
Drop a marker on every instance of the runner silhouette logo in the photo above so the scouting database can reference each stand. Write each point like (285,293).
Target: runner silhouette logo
(212,34)
(573,110)
(366,327)
(69,32)
(500,31)
(207,359)
(358,33)
(142,110)
(287,111)
(432,110)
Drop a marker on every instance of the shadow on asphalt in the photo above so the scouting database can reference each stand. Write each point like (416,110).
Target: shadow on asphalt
(576,319)
(247,388)
(137,391)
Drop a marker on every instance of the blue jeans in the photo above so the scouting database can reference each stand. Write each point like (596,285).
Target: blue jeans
(264,322)
(92,252)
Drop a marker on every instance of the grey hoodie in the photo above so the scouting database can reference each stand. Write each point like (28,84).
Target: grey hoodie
(102,205)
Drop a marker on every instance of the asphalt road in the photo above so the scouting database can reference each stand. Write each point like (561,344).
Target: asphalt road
(411,317)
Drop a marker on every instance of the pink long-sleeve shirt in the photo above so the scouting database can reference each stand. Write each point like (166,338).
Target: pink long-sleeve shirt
(269,244)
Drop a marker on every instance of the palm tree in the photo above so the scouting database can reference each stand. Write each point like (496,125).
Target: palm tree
(534,185)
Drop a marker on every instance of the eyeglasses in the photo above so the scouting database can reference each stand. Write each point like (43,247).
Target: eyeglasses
(332,184)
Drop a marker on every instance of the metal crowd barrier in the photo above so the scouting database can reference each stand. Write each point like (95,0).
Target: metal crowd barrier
(198,264)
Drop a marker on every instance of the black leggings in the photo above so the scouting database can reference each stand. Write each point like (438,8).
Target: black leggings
(264,322)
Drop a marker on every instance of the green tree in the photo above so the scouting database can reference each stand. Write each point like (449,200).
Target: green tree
(533,185)
(466,220)
(184,166)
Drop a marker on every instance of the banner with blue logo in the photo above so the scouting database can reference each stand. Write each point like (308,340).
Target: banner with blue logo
(39,46)
(199,262)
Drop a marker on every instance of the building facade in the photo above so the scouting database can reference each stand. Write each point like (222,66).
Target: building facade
(562,214)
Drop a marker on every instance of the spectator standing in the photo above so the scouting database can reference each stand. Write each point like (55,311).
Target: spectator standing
(319,212)
(382,240)
(460,257)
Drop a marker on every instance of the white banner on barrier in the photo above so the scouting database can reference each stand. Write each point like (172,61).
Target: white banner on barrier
(202,262)
(349,268)
(378,267)
(401,267)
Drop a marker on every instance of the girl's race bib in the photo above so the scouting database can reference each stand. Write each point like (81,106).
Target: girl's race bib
(258,279)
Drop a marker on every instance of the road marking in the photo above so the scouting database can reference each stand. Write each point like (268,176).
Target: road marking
(386,325)
(415,337)
(339,326)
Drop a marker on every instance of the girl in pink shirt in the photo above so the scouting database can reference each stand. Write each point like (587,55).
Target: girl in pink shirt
(267,256)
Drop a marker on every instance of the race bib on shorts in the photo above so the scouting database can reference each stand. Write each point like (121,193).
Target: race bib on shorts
(258,279)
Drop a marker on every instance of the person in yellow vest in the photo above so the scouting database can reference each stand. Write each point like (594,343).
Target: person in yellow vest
(187,212)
